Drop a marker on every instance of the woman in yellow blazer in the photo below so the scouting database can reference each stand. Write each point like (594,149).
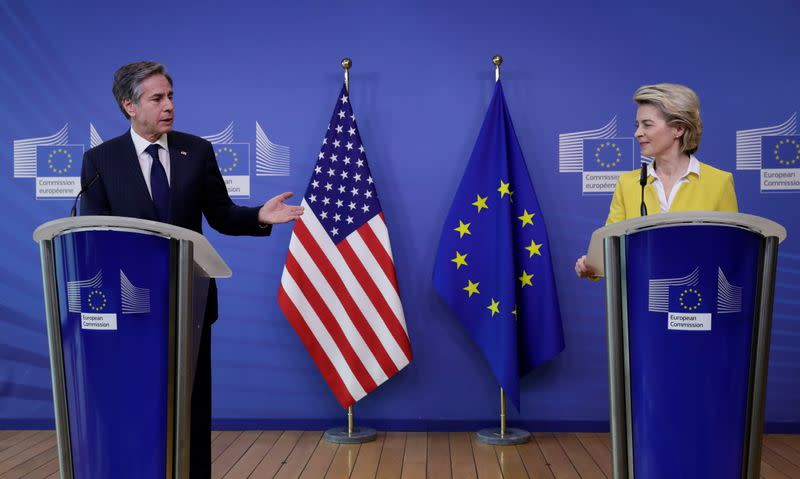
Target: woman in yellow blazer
(668,128)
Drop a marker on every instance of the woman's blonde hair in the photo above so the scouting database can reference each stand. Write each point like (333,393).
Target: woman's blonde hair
(680,106)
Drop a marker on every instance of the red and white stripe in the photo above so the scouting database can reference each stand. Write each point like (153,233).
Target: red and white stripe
(343,302)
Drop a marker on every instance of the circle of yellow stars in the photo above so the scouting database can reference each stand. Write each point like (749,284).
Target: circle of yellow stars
(777,151)
(460,259)
(234,162)
(688,293)
(616,157)
(54,154)
(97,300)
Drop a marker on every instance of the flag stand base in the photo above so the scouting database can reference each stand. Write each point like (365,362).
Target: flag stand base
(360,435)
(511,437)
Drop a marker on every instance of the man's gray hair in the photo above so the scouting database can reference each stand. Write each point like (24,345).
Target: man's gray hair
(128,81)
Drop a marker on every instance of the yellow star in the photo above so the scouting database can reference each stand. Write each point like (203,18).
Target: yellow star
(514,312)
(481,203)
(504,189)
(526,218)
(534,249)
(460,260)
(525,279)
(463,229)
(494,307)
(472,288)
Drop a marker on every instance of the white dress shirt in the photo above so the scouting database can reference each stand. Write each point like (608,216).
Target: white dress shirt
(664,202)
(146,162)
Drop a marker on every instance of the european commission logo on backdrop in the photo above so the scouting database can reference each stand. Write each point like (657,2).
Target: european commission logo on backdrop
(52,161)
(234,159)
(689,304)
(775,152)
(55,163)
(598,155)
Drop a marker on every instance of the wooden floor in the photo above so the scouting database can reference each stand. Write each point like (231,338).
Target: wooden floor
(457,455)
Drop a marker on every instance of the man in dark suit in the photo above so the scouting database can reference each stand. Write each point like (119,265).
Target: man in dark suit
(152,172)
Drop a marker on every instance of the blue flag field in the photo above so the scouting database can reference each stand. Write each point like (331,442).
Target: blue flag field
(493,265)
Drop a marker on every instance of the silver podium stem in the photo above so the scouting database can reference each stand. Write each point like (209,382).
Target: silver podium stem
(616,358)
(761,355)
(183,357)
(56,359)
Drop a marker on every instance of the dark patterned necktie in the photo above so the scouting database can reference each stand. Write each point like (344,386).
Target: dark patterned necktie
(159,185)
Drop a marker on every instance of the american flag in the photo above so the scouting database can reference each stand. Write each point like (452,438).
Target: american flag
(338,288)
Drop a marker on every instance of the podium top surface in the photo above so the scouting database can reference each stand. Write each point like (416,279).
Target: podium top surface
(204,254)
(757,224)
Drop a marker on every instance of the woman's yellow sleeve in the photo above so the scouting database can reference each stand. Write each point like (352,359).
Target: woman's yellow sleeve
(616,211)
(727,201)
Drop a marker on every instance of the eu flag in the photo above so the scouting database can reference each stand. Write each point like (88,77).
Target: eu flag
(692,299)
(608,154)
(98,300)
(780,151)
(58,160)
(493,266)
(233,158)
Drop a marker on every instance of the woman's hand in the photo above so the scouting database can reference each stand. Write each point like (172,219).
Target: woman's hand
(583,270)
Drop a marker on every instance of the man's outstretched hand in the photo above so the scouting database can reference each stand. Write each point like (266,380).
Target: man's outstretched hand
(275,211)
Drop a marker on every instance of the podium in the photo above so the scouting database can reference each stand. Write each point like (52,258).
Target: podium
(689,312)
(125,302)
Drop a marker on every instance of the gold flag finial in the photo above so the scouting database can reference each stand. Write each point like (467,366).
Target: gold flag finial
(346,64)
(497,60)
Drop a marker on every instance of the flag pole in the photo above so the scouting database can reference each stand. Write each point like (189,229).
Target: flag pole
(502,413)
(350,434)
(498,60)
(502,436)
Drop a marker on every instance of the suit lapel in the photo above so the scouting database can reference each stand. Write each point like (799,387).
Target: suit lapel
(133,170)
(177,164)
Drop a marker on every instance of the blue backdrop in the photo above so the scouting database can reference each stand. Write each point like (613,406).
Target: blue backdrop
(421,83)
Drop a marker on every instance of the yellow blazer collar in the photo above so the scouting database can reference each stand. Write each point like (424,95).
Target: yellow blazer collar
(693,172)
